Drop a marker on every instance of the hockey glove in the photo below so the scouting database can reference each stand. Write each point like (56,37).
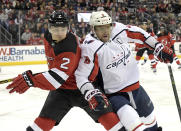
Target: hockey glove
(21,83)
(97,100)
(163,53)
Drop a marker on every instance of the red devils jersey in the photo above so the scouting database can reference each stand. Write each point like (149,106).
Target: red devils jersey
(166,39)
(62,58)
(139,46)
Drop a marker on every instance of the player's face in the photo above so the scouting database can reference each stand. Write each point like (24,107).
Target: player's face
(144,26)
(103,32)
(58,33)
(162,30)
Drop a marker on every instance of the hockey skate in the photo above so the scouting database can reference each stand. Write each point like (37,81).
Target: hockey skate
(154,70)
(144,61)
(29,129)
(122,129)
(159,129)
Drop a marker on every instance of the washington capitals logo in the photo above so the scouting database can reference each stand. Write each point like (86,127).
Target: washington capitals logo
(103,15)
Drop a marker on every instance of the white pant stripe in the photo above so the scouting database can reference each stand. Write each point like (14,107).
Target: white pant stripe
(132,100)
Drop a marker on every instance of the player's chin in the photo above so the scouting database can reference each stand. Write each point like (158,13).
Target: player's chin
(105,39)
(58,36)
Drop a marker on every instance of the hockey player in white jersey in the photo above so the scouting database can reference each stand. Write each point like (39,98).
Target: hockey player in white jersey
(106,50)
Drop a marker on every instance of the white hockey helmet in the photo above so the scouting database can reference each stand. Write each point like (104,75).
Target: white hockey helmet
(100,18)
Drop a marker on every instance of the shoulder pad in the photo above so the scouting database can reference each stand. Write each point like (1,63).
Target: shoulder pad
(88,41)
(69,44)
(48,36)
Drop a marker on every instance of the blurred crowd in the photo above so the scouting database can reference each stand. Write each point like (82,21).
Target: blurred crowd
(27,20)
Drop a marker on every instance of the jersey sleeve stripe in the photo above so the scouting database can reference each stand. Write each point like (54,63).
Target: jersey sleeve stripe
(56,77)
(35,127)
(84,85)
(151,42)
(61,74)
(135,40)
(51,80)
(95,70)
(135,35)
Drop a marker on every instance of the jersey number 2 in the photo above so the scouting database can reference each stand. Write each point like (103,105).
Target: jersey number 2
(63,65)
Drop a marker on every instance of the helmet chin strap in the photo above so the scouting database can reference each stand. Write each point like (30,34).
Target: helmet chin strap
(94,33)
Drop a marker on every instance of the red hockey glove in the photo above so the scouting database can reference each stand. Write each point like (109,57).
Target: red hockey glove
(97,100)
(163,53)
(21,83)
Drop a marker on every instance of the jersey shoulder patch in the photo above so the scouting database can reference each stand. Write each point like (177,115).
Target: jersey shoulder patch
(91,43)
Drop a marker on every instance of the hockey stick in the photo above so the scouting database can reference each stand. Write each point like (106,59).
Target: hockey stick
(11,79)
(174,89)
(5,81)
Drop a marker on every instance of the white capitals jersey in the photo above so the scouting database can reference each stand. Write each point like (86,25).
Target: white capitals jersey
(114,59)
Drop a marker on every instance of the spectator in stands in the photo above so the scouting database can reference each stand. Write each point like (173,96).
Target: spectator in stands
(13,29)
(150,28)
(178,32)
(17,5)
(39,10)
(37,28)
(27,6)
(26,36)
(44,28)
(8,9)
(34,40)
(3,19)
(73,28)
(41,18)
(29,16)
(18,20)
(113,13)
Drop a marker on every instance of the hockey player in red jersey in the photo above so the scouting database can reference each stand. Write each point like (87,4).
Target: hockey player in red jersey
(141,48)
(167,39)
(106,49)
(63,53)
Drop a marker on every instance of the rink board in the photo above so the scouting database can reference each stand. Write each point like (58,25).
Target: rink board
(35,54)
(22,55)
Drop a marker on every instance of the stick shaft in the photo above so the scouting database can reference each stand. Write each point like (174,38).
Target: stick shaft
(5,81)
(174,90)
(10,80)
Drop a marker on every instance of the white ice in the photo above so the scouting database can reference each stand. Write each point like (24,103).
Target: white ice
(19,111)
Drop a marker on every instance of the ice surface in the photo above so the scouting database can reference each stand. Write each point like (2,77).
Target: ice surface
(18,111)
